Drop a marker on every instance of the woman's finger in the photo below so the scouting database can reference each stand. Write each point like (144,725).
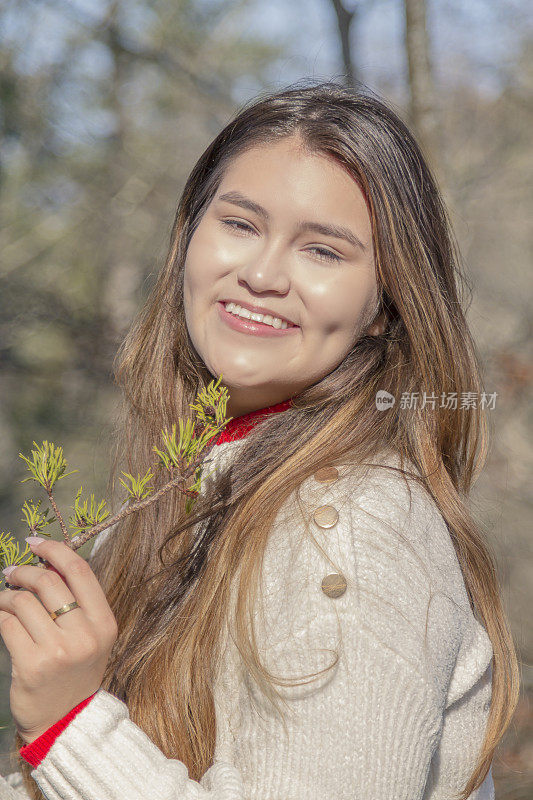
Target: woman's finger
(79,577)
(52,593)
(16,638)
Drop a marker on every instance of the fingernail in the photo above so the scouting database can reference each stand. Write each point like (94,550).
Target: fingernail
(8,570)
(34,540)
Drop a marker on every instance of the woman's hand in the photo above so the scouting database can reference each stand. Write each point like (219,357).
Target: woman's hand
(55,663)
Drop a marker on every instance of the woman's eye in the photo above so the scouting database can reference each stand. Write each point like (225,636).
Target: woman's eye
(327,255)
(322,253)
(236,225)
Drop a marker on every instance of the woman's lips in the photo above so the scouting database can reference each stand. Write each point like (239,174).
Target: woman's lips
(249,326)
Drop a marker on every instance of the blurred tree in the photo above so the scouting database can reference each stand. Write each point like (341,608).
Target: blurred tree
(423,109)
(349,22)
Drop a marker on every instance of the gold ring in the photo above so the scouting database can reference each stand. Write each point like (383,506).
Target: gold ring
(64,609)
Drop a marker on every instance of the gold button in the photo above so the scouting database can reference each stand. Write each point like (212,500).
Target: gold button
(334,585)
(325,516)
(326,475)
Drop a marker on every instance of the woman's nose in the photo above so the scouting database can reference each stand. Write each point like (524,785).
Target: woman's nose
(268,270)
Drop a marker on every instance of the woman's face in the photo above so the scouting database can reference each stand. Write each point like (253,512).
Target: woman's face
(252,247)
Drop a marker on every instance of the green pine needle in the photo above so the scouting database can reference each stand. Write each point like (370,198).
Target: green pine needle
(87,514)
(35,519)
(210,408)
(10,554)
(138,490)
(210,405)
(47,465)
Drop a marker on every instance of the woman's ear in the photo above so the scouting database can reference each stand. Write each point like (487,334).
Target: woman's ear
(378,326)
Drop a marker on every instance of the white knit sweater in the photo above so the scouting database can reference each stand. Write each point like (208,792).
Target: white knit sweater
(396,718)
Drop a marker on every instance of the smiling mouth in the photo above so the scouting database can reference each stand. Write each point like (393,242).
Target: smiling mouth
(278,323)
(253,327)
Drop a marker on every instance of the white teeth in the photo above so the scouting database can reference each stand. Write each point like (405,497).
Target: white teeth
(275,322)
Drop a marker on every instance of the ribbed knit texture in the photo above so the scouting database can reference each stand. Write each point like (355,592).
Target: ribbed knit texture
(37,750)
(399,717)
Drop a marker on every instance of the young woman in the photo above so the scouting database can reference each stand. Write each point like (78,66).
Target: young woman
(331,565)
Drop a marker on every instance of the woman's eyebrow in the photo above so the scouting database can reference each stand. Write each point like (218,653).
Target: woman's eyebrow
(326,229)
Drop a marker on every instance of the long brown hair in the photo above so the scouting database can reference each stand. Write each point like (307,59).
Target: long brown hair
(170,626)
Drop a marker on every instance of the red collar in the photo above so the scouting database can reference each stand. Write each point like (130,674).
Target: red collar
(238,427)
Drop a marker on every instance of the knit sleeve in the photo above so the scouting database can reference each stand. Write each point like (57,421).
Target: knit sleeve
(367,728)
(34,753)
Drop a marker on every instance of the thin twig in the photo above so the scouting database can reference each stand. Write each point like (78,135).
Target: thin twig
(57,512)
(77,541)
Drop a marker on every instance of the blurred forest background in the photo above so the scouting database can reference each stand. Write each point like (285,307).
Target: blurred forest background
(105,105)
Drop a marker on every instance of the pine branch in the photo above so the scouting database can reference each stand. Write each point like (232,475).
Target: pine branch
(181,455)
(79,540)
